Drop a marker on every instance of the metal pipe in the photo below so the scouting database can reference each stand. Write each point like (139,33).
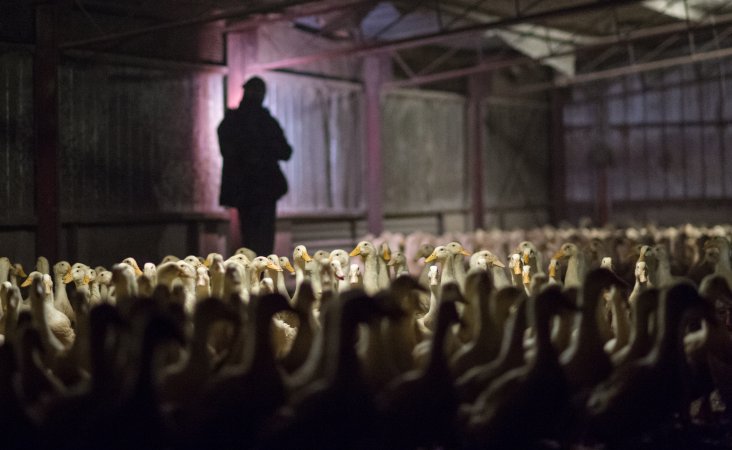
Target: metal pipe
(502,64)
(628,70)
(434,38)
(235,12)
(486,66)
(313,10)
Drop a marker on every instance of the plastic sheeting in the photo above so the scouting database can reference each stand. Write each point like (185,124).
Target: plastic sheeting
(322,120)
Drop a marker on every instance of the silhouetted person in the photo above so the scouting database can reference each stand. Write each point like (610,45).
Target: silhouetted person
(252,143)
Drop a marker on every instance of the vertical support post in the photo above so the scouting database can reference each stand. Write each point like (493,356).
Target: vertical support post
(374,68)
(476,92)
(45,122)
(557,159)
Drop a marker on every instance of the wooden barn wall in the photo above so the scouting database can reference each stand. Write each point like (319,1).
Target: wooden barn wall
(137,141)
(516,162)
(137,149)
(16,154)
(664,139)
(423,153)
(137,144)
(16,135)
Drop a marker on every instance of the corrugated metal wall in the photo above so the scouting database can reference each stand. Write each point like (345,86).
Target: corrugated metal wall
(137,141)
(665,137)
(516,164)
(16,136)
(423,141)
(134,143)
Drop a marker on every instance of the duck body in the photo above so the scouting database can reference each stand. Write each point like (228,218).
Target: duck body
(232,409)
(420,407)
(342,399)
(518,409)
(477,379)
(646,392)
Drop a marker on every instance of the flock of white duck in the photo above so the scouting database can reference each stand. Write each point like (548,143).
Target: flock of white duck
(547,338)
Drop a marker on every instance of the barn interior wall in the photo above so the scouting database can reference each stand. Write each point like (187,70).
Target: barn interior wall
(663,138)
(137,151)
(516,152)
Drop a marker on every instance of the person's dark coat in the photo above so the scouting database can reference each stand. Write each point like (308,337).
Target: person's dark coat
(252,143)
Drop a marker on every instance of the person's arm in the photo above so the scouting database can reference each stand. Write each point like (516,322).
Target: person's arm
(277,140)
(227,137)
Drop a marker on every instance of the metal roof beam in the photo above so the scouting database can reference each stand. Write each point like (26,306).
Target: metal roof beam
(436,38)
(497,64)
(198,20)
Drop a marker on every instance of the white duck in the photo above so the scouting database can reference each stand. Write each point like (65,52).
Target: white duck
(256,269)
(61,270)
(4,269)
(382,260)
(203,283)
(427,322)
(277,274)
(576,268)
(54,326)
(80,278)
(339,260)
(443,256)
(133,263)
(151,271)
(457,251)
(300,258)
(398,263)
(496,267)
(216,271)
(104,280)
(43,266)
(367,252)
(125,284)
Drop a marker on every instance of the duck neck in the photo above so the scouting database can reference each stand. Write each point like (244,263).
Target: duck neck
(458,270)
(143,388)
(343,363)
(94,291)
(4,271)
(542,329)
(199,355)
(640,336)
(575,269)
(384,276)
(299,271)
(217,285)
(371,274)
(723,265)
(279,278)
(588,334)
(59,287)
(259,346)
(434,292)
(663,273)
(437,363)
(499,277)
(448,272)
(667,338)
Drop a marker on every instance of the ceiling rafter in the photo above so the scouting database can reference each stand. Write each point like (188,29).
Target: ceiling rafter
(273,8)
(440,37)
(609,43)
